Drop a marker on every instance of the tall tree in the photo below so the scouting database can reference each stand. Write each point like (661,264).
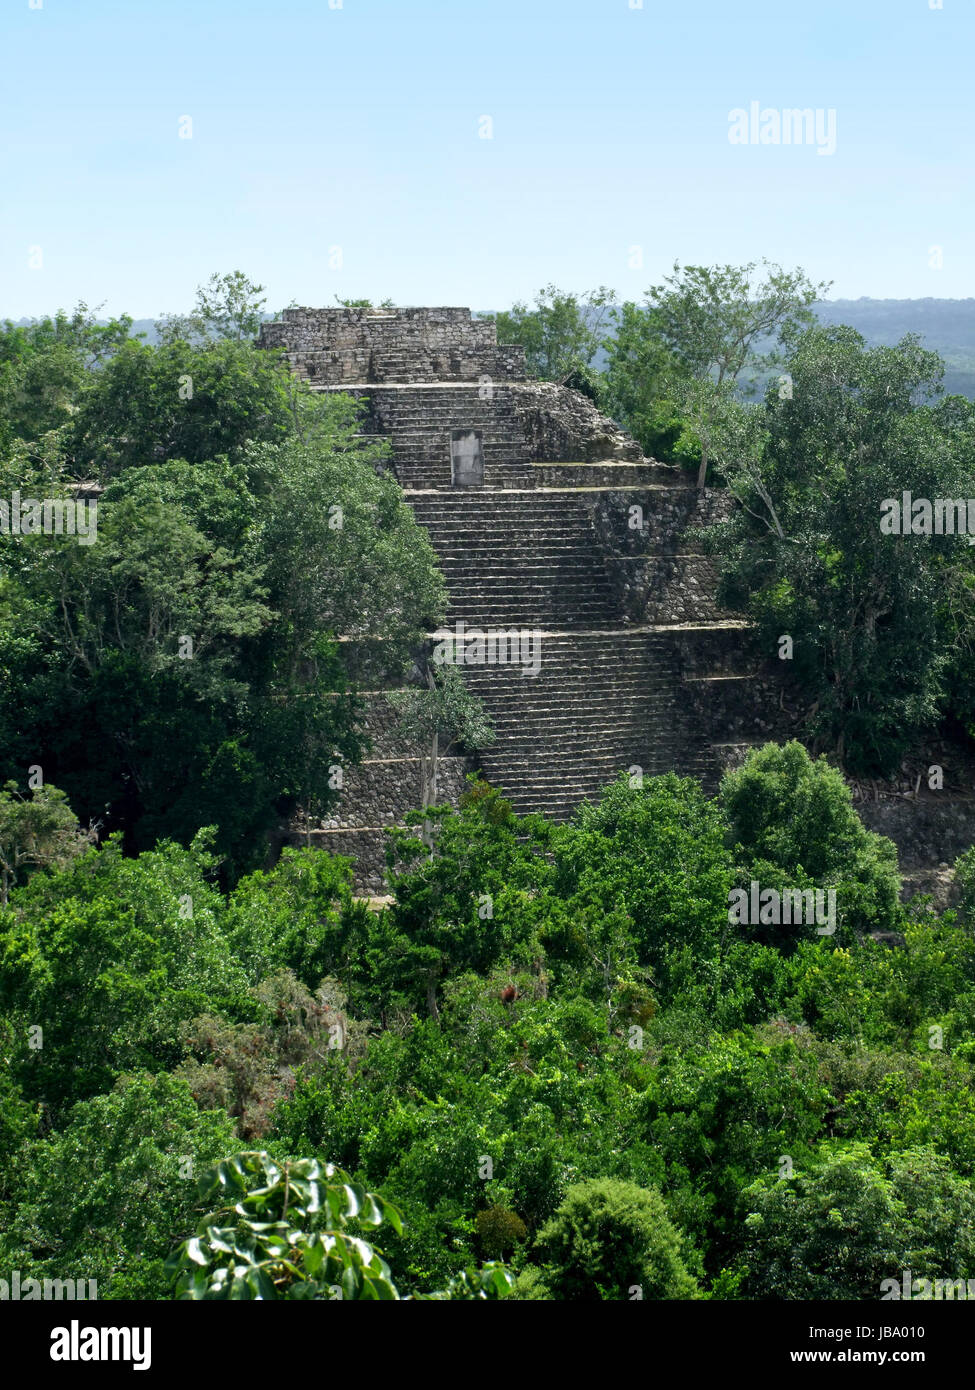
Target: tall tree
(562,333)
(806,554)
(641,380)
(718,322)
(197,642)
(227,306)
(37,832)
(439,715)
(45,366)
(180,400)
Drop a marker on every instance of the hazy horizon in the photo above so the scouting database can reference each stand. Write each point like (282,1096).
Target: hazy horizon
(440,303)
(339,148)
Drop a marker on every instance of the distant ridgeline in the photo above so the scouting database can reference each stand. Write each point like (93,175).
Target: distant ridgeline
(581,610)
(946,325)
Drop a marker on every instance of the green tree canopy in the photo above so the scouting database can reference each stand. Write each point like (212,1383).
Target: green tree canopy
(655,854)
(841,1228)
(562,334)
(806,556)
(102,1197)
(612,1240)
(197,642)
(35,833)
(793,825)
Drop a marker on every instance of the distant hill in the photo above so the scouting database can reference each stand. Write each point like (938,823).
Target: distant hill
(145,328)
(946,325)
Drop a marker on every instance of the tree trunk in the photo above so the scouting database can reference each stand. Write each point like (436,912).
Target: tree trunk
(702,472)
(428,774)
(432,999)
(434,768)
(429,766)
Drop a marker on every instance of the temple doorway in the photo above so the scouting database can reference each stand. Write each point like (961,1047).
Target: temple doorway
(466,458)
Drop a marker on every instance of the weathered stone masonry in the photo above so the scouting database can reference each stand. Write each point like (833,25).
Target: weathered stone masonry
(528,495)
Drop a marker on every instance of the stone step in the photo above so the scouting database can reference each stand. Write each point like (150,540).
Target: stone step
(594,727)
(547,707)
(533,536)
(554,674)
(505,574)
(525,551)
(613,474)
(484,518)
(541,584)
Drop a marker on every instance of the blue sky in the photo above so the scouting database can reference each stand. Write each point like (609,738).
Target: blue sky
(357,127)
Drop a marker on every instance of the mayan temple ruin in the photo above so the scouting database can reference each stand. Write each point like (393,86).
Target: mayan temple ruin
(544,516)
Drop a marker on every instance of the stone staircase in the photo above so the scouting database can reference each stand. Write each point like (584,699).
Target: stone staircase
(609,696)
(634,658)
(515,557)
(604,702)
(418,420)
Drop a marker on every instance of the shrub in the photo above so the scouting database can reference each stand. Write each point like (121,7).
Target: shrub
(499,1231)
(794,826)
(841,1229)
(607,1239)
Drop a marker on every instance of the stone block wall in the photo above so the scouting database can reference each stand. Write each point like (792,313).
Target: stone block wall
(377,793)
(927,831)
(637,666)
(337,346)
(655,566)
(560,425)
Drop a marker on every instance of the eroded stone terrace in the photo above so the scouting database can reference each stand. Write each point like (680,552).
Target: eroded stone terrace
(527,493)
